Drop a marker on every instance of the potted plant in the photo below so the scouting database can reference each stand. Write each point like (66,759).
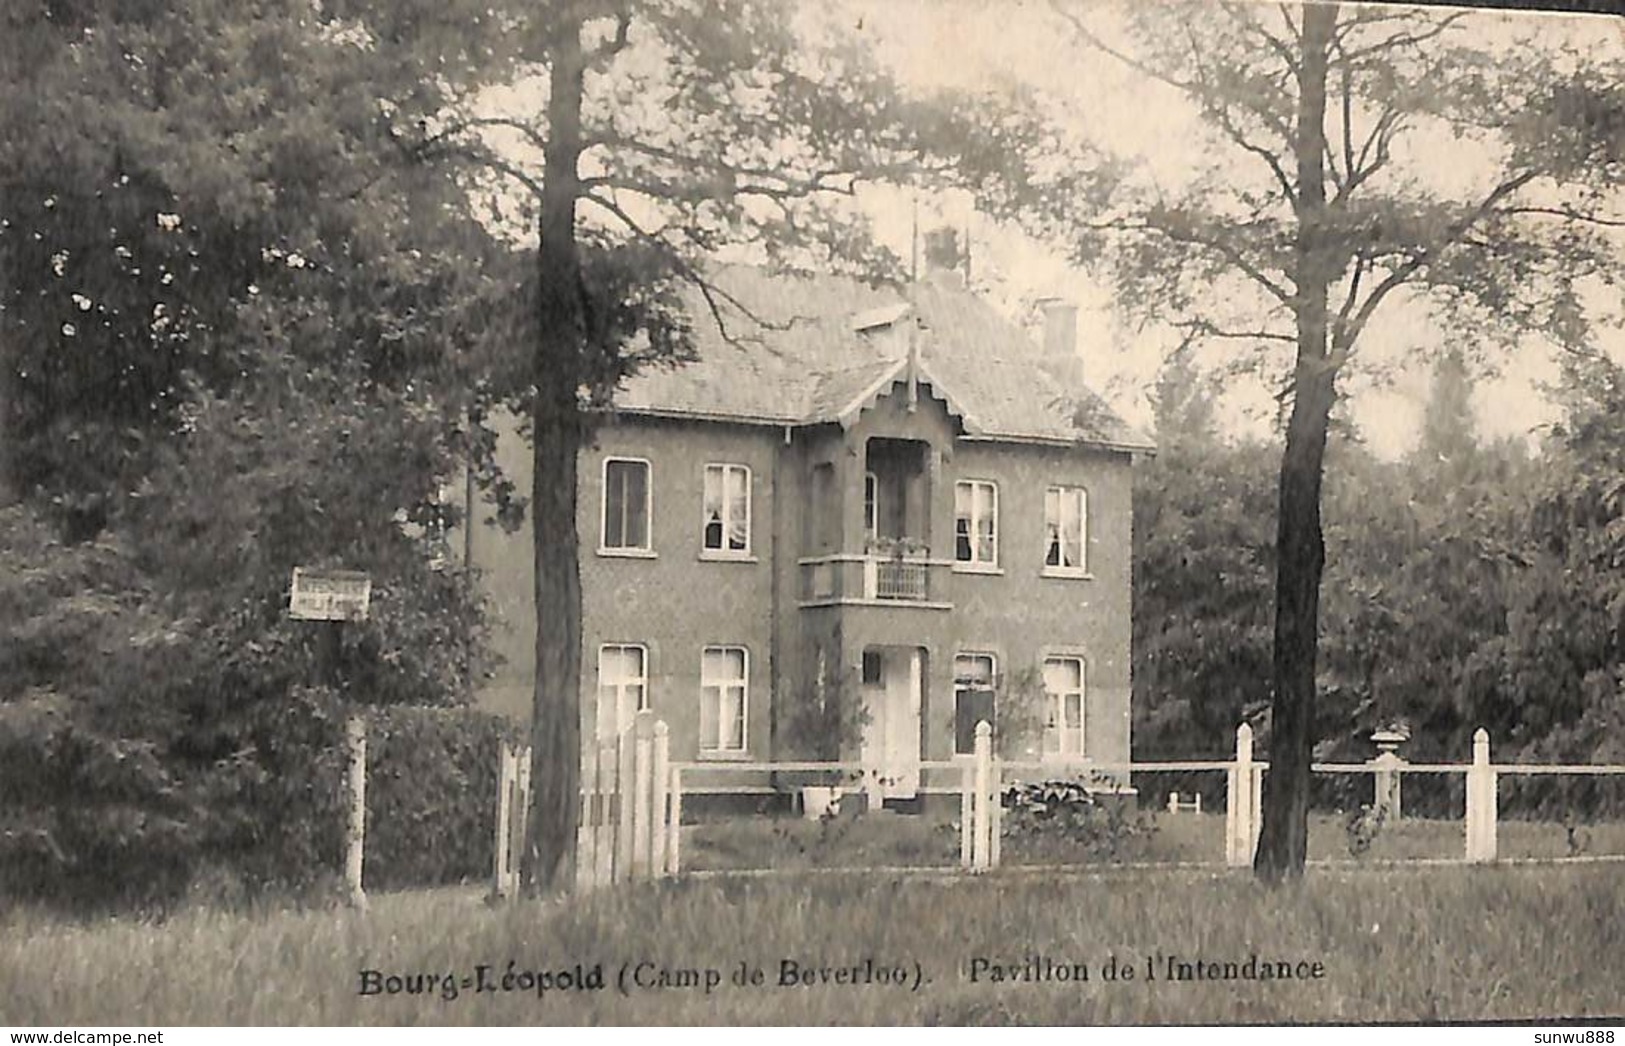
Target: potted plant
(825,720)
(898,548)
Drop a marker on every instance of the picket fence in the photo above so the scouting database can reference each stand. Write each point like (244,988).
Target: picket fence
(632,799)
(629,812)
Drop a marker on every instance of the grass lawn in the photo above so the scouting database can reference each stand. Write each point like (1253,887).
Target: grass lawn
(1413,944)
(897,840)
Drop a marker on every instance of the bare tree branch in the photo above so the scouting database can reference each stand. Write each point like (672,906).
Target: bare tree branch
(1568,214)
(1196,329)
(1420,257)
(614,46)
(1228,125)
(1406,39)
(1129,60)
(715,296)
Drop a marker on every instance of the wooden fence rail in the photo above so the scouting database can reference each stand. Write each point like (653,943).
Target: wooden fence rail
(632,798)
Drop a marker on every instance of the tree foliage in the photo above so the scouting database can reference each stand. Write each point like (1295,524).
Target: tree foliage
(1478,589)
(236,323)
(1312,209)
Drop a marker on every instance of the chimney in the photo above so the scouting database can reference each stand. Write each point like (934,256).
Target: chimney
(943,256)
(1061,339)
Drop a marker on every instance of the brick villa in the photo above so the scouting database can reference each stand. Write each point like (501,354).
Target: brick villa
(895,487)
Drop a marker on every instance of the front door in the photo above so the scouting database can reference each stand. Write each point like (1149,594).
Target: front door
(892,691)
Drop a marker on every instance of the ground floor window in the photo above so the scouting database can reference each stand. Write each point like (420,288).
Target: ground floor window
(1063,688)
(973,698)
(623,687)
(724,687)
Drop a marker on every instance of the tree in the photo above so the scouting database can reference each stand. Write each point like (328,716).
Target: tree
(1202,565)
(181,184)
(669,130)
(234,326)
(1315,213)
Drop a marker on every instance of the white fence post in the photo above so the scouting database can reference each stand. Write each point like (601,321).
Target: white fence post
(967,814)
(981,844)
(1256,795)
(505,797)
(584,827)
(1481,812)
(674,852)
(1240,834)
(625,757)
(642,814)
(356,837)
(604,827)
(660,780)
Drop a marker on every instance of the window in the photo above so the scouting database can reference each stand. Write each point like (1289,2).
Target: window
(1063,687)
(1066,529)
(727,509)
(623,687)
(976,508)
(973,699)
(626,505)
(825,515)
(873,671)
(871,506)
(724,674)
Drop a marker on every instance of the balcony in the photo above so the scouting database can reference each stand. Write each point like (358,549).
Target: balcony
(898,575)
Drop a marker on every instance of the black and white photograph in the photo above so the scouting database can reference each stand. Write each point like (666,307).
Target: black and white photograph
(895,513)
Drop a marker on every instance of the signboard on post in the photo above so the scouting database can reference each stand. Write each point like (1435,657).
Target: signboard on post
(329,595)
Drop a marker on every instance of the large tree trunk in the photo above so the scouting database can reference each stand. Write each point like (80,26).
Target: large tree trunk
(1300,552)
(548,864)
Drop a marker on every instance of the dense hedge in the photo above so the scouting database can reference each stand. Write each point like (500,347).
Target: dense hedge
(431,795)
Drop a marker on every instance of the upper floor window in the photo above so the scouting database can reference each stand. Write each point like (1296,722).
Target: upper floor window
(871,506)
(1063,688)
(623,687)
(727,509)
(724,690)
(824,514)
(976,511)
(973,699)
(1066,530)
(626,505)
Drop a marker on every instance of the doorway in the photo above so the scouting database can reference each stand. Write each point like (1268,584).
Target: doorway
(893,684)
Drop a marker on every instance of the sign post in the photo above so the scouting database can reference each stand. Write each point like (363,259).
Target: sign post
(332,597)
(329,595)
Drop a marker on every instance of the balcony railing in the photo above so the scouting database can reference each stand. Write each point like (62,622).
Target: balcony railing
(851,577)
(904,579)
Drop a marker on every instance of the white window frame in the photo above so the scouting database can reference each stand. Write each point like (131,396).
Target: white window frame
(976,564)
(724,468)
(1056,739)
(718,746)
(1060,492)
(992,660)
(609,714)
(645,550)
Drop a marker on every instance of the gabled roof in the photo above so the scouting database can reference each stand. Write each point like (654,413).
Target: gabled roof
(800,350)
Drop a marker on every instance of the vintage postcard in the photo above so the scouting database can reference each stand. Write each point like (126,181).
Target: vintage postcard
(774,512)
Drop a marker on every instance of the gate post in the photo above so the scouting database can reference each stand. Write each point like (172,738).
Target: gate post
(505,796)
(981,807)
(1240,833)
(355,839)
(1481,781)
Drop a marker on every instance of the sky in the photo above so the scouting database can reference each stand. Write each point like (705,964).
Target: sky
(965,43)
